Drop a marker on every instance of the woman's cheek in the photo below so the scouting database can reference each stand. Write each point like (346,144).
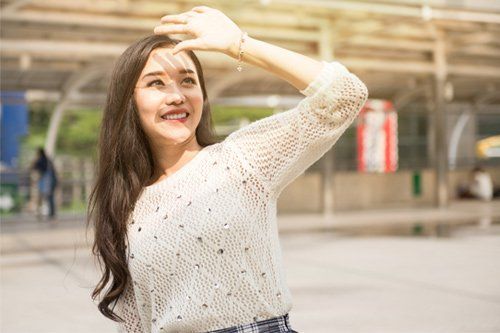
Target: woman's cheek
(197,101)
(147,114)
(150,106)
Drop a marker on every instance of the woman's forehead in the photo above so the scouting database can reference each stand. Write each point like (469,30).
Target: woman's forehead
(162,59)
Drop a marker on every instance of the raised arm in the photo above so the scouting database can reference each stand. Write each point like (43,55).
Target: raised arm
(278,148)
(281,147)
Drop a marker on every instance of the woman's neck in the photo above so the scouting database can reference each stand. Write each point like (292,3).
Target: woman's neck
(170,158)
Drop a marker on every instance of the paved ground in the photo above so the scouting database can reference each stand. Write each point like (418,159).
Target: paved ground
(341,280)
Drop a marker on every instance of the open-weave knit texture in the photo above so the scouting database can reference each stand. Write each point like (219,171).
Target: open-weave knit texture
(203,247)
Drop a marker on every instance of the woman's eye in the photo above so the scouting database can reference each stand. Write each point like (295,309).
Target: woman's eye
(193,81)
(152,83)
(160,82)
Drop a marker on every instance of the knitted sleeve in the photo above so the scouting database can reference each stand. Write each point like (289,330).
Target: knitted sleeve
(277,149)
(128,311)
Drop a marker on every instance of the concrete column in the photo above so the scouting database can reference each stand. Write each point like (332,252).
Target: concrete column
(431,135)
(55,121)
(326,53)
(58,194)
(441,140)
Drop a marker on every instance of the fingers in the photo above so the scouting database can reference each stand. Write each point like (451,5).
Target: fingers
(173,19)
(201,9)
(180,18)
(190,44)
(172,29)
(179,25)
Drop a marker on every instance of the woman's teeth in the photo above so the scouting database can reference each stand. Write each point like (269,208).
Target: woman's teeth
(175,116)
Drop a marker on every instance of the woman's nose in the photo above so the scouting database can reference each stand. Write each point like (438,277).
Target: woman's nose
(175,98)
(174,94)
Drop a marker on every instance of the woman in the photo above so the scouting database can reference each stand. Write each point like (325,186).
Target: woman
(185,226)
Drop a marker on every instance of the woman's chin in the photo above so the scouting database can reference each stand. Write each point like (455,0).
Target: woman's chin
(177,139)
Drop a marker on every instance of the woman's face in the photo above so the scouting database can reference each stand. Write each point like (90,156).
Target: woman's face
(168,82)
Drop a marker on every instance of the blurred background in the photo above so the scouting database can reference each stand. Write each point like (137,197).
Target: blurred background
(396,229)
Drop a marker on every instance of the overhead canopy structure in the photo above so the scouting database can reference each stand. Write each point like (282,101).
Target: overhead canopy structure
(391,44)
(405,50)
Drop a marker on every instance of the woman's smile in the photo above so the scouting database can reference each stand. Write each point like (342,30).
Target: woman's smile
(181,117)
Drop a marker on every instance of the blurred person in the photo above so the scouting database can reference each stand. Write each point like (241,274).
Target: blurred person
(185,225)
(47,182)
(481,185)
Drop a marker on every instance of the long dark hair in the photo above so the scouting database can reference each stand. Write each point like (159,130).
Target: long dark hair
(125,165)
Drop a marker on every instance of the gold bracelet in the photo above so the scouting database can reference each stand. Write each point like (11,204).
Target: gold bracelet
(244,35)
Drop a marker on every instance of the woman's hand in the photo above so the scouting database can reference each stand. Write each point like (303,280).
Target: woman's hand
(213,31)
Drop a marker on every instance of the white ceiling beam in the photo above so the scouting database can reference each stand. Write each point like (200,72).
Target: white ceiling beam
(13,64)
(85,50)
(474,70)
(37,95)
(260,14)
(476,50)
(157,9)
(216,60)
(480,37)
(395,10)
(269,101)
(74,19)
(380,42)
(140,8)
(369,64)
(147,25)
(414,45)
(136,20)
(14,6)
(88,51)
(464,15)
(75,50)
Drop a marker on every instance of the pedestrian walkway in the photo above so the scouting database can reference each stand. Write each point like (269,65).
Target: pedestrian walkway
(396,220)
(25,232)
(342,280)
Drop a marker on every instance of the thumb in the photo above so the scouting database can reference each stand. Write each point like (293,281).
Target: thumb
(191,44)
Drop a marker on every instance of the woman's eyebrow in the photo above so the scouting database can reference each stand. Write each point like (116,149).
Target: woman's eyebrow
(162,73)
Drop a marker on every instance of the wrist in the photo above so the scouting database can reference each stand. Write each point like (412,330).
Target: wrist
(234,49)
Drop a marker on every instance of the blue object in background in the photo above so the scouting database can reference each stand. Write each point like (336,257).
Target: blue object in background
(14,124)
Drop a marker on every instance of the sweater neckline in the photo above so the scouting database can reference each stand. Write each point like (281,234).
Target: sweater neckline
(178,173)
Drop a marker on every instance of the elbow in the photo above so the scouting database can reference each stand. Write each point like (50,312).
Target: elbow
(343,100)
(355,95)
(360,91)
(352,98)
(364,93)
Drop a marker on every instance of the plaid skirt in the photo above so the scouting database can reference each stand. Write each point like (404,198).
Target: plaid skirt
(274,325)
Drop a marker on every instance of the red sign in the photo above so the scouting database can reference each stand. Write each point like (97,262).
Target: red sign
(377,137)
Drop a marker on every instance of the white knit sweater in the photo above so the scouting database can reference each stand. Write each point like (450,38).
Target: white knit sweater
(203,244)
